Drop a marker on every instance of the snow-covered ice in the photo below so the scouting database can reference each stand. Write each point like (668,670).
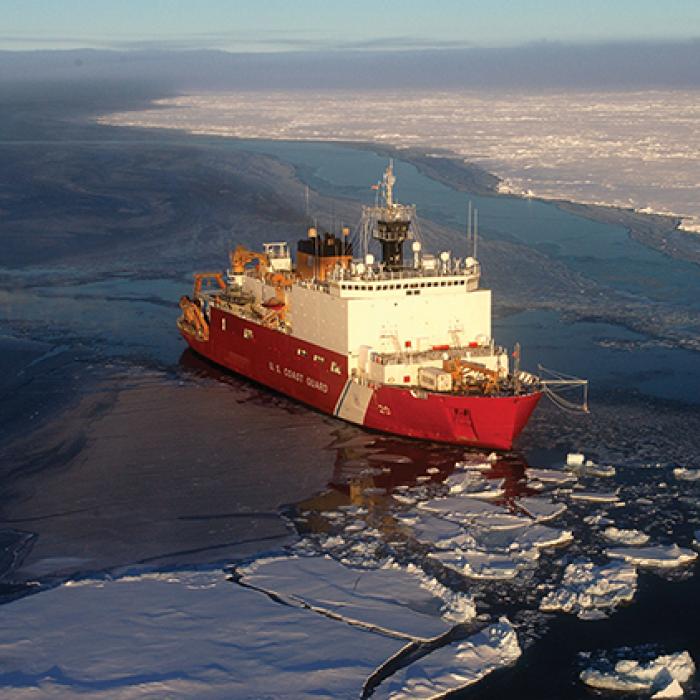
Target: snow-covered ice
(554,476)
(595,496)
(395,600)
(438,532)
(685,474)
(587,589)
(540,509)
(192,634)
(575,459)
(630,537)
(624,148)
(478,564)
(659,556)
(663,674)
(454,666)
(474,485)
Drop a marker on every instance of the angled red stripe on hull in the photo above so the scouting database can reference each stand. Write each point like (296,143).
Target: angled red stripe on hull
(482,421)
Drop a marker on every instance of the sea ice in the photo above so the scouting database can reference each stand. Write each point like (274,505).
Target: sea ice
(657,676)
(438,532)
(461,507)
(575,459)
(555,476)
(475,465)
(659,556)
(684,474)
(454,666)
(627,537)
(595,496)
(391,599)
(540,509)
(478,564)
(181,634)
(541,537)
(587,589)
(474,485)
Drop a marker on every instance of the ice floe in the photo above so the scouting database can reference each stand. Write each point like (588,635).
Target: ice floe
(661,677)
(181,634)
(575,459)
(454,666)
(659,556)
(684,474)
(437,532)
(540,509)
(595,496)
(555,476)
(587,590)
(400,601)
(474,485)
(478,564)
(631,537)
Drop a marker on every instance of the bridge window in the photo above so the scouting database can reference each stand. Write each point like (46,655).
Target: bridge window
(248,333)
(301,352)
(335,368)
(319,358)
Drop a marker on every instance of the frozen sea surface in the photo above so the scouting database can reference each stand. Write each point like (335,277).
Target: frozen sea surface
(628,149)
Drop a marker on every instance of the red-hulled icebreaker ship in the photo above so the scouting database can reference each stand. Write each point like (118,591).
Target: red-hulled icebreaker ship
(400,346)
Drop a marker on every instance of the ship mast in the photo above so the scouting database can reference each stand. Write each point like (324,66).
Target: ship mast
(388,222)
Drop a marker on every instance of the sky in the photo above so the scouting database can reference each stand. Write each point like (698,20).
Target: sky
(307,25)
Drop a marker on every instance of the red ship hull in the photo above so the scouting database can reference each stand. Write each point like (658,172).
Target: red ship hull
(319,377)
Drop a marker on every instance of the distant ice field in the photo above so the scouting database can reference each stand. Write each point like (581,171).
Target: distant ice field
(637,150)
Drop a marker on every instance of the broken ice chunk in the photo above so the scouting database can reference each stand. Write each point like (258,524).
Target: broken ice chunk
(478,564)
(440,533)
(474,485)
(460,506)
(656,676)
(628,537)
(542,537)
(454,666)
(575,459)
(394,600)
(475,465)
(554,476)
(587,588)
(660,556)
(595,496)
(540,509)
(683,474)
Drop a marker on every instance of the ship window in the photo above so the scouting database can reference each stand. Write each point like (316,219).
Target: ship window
(335,368)
(442,284)
(319,358)
(301,352)
(461,281)
(223,324)
(417,291)
(247,333)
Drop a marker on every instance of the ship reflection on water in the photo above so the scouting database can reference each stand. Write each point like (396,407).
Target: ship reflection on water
(371,471)
(369,466)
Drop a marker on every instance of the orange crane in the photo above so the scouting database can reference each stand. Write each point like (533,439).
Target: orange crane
(241,256)
(459,368)
(192,320)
